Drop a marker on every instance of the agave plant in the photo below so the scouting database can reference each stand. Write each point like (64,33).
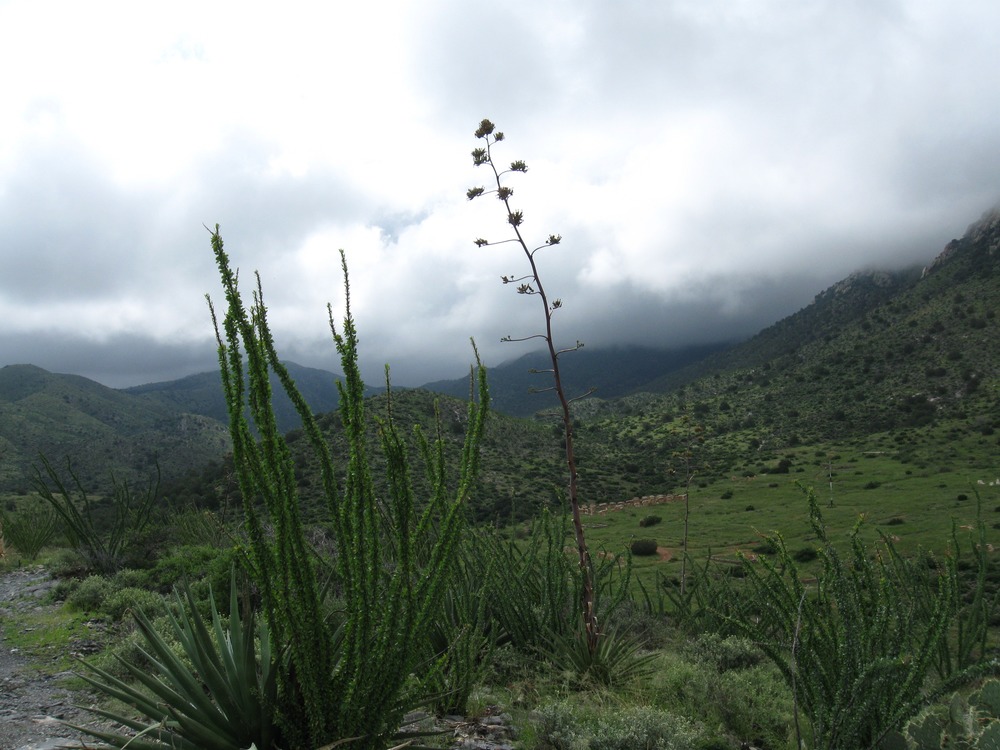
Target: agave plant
(618,659)
(219,695)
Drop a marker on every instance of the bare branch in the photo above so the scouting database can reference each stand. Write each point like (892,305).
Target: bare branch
(505,339)
(582,396)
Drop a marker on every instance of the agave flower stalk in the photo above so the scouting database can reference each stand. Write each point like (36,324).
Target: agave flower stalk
(531,284)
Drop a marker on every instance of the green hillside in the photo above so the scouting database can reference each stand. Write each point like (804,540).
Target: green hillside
(99,429)
(904,365)
(202,394)
(905,361)
(609,372)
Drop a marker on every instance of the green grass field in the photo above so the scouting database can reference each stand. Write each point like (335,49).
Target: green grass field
(913,499)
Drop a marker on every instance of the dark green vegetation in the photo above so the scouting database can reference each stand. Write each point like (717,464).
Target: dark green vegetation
(100,429)
(610,372)
(910,356)
(796,621)
(202,394)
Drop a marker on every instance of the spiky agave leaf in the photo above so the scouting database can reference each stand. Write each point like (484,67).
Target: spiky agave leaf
(221,697)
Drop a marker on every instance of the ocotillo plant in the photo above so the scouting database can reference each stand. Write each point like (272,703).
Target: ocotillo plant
(531,284)
(352,680)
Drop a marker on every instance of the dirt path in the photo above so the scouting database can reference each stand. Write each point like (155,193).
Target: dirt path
(31,703)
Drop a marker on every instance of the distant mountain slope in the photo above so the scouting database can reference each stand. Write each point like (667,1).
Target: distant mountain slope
(100,429)
(877,352)
(202,394)
(897,352)
(611,372)
(831,311)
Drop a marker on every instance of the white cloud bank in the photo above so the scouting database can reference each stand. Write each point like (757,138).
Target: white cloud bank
(711,166)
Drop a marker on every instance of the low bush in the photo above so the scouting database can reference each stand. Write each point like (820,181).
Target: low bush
(746,706)
(124,601)
(768,547)
(28,530)
(565,726)
(724,654)
(191,562)
(131,578)
(805,554)
(643,727)
(90,594)
(67,564)
(559,727)
(650,521)
(643,547)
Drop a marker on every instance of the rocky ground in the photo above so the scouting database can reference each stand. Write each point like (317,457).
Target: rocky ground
(33,705)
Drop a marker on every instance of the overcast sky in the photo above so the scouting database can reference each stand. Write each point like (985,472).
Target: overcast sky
(710,164)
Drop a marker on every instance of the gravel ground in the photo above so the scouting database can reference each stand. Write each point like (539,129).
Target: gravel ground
(31,703)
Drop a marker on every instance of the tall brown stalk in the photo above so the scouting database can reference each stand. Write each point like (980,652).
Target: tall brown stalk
(531,284)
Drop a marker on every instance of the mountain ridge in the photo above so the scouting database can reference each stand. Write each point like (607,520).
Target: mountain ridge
(878,350)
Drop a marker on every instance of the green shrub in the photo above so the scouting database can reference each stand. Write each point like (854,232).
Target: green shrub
(754,706)
(191,562)
(767,547)
(565,726)
(131,578)
(649,521)
(643,727)
(748,705)
(559,727)
(724,654)
(68,564)
(643,547)
(123,601)
(90,594)
(805,554)
(506,664)
(29,529)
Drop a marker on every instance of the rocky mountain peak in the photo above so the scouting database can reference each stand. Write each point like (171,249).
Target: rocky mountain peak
(982,233)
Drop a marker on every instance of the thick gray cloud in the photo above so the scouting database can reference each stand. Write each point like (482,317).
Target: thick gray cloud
(711,166)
